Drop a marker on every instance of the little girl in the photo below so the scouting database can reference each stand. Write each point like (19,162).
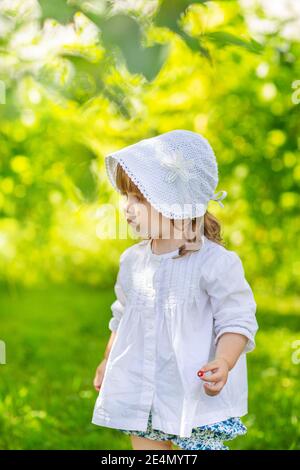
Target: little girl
(175,367)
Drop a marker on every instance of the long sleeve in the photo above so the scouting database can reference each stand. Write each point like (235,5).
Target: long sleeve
(118,306)
(232,300)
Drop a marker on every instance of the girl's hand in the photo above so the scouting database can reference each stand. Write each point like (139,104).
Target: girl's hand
(99,374)
(217,379)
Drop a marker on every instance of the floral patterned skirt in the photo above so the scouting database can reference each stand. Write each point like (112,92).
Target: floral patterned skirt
(207,437)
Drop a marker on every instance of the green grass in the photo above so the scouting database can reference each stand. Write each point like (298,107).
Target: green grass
(56,337)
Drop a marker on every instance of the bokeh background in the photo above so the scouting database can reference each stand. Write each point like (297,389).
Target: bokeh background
(81,78)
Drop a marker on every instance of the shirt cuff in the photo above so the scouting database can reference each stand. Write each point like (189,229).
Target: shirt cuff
(113,324)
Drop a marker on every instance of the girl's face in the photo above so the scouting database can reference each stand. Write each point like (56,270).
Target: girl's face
(144,219)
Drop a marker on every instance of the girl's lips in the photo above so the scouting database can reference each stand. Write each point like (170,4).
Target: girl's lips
(131,222)
(131,219)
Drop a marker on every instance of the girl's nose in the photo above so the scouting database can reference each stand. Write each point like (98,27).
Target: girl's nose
(125,206)
(129,215)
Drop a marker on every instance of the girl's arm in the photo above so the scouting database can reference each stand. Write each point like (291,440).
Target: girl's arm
(100,370)
(235,325)
(230,346)
(232,301)
(117,309)
(109,344)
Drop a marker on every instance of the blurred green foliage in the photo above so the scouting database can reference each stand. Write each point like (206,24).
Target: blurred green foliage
(74,91)
(81,79)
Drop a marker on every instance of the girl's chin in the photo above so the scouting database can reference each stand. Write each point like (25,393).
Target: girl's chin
(136,228)
(140,233)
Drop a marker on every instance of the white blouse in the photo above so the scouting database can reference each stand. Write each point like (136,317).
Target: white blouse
(168,316)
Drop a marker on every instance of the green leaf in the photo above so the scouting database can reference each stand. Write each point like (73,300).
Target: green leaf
(125,32)
(169,13)
(79,167)
(195,45)
(222,38)
(59,10)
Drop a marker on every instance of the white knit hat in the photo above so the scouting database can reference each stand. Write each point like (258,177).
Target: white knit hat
(176,171)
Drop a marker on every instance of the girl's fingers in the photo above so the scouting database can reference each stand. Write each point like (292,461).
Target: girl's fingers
(212,378)
(96,384)
(202,372)
(214,387)
(211,366)
(210,392)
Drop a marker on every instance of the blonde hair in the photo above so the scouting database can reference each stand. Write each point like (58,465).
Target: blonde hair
(212,227)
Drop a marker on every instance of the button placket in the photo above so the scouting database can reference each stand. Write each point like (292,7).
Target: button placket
(157,273)
(150,351)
